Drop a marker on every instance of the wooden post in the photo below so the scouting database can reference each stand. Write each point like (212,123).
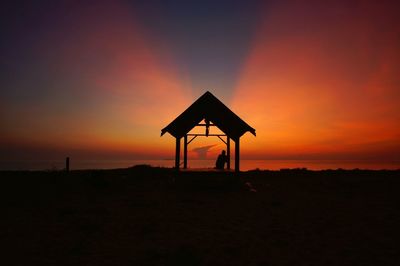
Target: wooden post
(237,151)
(67,164)
(185,151)
(228,151)
(177,153)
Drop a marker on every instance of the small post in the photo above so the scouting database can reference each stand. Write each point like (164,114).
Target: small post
(228,151)
(67,164)
(177,153)
(185,151)
(207,127)
(237,155)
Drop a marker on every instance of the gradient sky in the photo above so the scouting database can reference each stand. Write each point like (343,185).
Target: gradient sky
(100,79)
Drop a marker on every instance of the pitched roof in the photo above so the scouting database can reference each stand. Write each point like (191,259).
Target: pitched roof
(210,108)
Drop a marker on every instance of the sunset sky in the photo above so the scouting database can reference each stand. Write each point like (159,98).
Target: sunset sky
(100,79)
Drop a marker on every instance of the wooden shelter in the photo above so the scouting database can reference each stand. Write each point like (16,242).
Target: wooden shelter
(214,113)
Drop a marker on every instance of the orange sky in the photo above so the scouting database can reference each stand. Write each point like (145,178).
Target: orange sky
(323,84)
(317,80)
(126,88)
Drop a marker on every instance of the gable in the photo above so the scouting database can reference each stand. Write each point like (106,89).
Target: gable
(210,108)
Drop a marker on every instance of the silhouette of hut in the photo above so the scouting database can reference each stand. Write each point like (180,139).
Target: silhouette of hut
(214,113)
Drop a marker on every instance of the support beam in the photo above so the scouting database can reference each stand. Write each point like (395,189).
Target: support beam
(221,139)
(237,154)
(177,153)
(185,144)
(203,125)
(228,152)
(191,139)
(207,127)
(209,135)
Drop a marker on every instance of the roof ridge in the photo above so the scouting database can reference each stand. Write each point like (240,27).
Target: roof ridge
(208,106)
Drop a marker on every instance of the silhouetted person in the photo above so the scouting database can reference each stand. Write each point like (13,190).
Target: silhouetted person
(221,160)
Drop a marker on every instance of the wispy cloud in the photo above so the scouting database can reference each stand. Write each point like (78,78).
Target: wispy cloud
(203,150)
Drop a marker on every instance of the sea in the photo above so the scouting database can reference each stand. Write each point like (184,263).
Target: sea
(245,165)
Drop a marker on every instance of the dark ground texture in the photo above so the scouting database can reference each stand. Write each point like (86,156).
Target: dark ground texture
(155,216)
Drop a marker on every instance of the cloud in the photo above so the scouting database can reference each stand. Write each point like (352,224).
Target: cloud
(202,151)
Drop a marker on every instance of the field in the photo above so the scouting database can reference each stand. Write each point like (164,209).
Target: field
(156,216)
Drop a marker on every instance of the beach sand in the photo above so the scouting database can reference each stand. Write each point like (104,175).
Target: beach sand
(155,216)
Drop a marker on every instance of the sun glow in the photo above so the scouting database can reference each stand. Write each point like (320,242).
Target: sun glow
(313,92)
(120,88)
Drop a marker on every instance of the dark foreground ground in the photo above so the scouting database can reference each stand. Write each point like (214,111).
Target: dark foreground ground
(150,216)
